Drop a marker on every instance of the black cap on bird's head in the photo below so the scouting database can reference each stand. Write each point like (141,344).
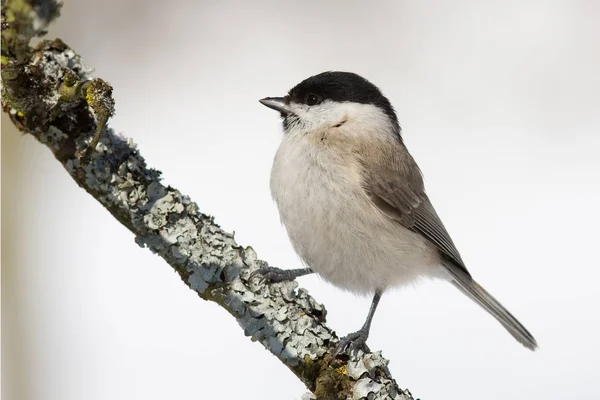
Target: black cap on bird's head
(333,86)
(340,86)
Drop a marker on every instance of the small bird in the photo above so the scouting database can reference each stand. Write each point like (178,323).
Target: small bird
(353,202)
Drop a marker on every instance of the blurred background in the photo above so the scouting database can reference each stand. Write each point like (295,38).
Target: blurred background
(499,102)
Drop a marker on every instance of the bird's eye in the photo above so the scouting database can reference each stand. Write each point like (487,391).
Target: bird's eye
(312,100)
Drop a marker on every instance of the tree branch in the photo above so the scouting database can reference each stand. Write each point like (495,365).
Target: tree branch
(48,93)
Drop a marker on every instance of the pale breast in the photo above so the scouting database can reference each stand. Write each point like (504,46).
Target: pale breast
(334,227)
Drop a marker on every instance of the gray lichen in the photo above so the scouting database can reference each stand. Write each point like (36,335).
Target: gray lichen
(40,93)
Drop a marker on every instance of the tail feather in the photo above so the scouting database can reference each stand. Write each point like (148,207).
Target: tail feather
(472,289)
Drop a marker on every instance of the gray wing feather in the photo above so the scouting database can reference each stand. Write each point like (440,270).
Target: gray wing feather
(428,224)
(396,187)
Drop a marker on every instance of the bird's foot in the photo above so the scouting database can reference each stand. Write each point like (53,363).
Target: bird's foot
(274,275)
(353,341)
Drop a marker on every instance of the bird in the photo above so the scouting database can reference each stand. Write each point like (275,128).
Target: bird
(353,202)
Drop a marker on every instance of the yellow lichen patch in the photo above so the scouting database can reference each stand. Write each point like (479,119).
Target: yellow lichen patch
(342,370)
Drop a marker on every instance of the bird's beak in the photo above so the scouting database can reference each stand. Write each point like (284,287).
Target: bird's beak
(276,103)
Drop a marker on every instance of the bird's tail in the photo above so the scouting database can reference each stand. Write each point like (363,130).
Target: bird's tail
(472,289)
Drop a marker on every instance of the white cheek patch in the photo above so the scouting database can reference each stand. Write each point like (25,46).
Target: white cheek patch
(328,113)
(353,118)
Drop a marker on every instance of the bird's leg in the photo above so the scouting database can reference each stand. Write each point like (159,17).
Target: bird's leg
(274,275)
(358,339)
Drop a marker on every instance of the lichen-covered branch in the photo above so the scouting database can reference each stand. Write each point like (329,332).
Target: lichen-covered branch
(48,93)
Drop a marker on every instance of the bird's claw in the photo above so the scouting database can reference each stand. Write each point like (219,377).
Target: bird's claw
(353,341)
(270,274)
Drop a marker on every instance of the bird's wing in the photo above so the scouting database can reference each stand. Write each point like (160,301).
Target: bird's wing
(395,185)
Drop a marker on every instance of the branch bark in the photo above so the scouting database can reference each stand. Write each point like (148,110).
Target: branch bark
(48,93)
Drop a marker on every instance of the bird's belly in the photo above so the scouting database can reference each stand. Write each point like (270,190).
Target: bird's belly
(341,235)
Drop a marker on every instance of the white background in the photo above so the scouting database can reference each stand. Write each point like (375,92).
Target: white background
(499,102)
